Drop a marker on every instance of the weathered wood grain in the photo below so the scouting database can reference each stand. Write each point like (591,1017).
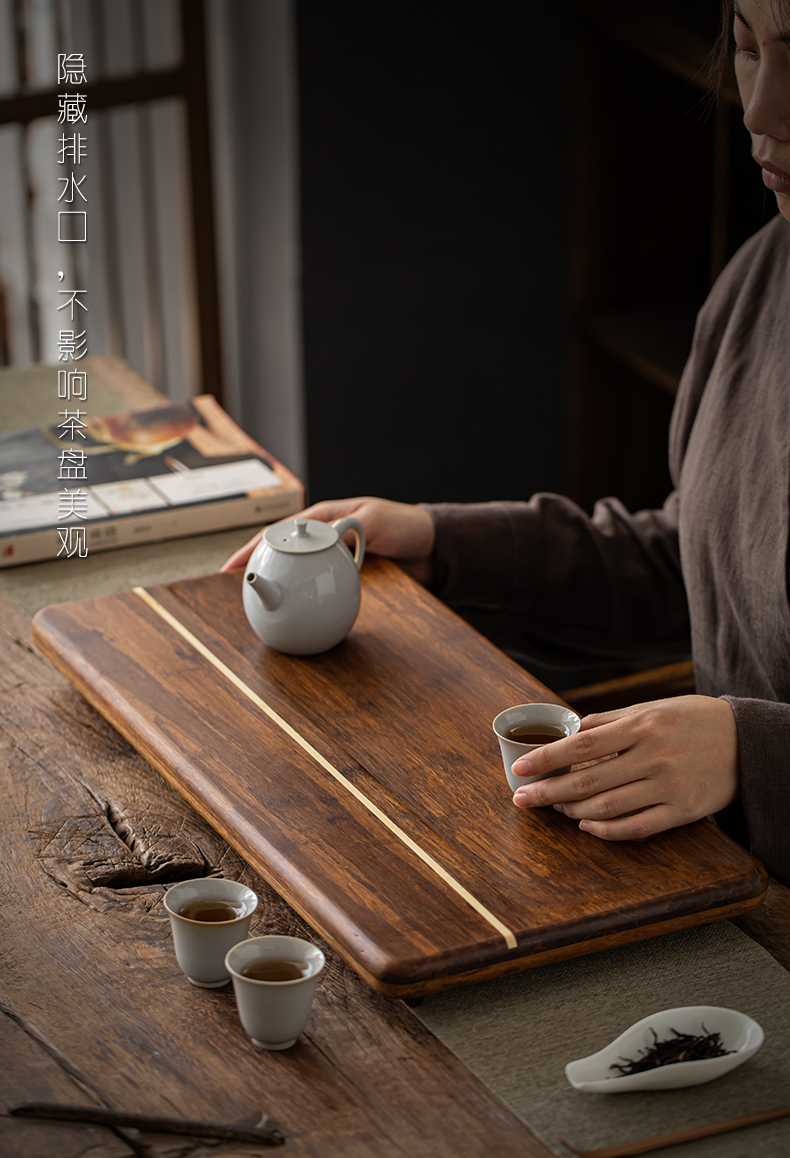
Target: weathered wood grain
(24,1061)
(402,711)
(97,1010)
(141,825)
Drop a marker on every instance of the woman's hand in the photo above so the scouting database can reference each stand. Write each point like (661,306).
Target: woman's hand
(673,761)
(397,530)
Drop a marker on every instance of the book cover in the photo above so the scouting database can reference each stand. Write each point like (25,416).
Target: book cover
(159,473)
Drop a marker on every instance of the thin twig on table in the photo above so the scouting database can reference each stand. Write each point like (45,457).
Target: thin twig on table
(154,1123)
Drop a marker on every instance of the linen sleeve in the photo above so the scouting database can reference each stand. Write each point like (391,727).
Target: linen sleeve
(764,769)
(546,582)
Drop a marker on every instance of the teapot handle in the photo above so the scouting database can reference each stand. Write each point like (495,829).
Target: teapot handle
(351,524)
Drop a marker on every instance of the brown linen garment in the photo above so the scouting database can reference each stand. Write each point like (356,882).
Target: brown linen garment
(545,581)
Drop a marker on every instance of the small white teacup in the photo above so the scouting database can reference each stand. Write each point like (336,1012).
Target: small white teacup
(208,917)
(274,1003)
(527,720)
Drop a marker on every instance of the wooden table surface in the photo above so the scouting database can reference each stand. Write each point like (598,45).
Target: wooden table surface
(95,1011)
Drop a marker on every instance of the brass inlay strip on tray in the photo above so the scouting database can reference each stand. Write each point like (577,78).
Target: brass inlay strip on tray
(186,634)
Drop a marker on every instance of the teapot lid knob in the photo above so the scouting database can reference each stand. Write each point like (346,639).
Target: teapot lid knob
(300,536)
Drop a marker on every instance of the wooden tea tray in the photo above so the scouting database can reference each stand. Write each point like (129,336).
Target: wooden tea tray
(366,783)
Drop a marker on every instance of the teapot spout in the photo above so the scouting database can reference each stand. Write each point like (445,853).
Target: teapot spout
(269,593)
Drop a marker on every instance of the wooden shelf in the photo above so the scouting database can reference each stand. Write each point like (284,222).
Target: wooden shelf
(674,679)
(653,338)
(665,193)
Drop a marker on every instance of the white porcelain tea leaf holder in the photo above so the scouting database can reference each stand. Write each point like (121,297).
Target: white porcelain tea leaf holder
(739,1033)
(301,588)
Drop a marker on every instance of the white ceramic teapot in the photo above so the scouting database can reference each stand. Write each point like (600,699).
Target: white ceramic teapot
(301,588)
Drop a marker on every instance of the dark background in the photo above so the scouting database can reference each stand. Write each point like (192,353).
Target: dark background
(510,215)
(435,171)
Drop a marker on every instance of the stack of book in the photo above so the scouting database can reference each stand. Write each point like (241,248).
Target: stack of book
(153,474)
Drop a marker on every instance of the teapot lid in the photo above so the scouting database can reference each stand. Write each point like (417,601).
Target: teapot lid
(300,536)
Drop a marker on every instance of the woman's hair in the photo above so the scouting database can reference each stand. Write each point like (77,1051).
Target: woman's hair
(722,50)
(725,42)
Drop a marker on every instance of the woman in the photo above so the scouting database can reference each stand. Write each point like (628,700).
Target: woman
(714,559)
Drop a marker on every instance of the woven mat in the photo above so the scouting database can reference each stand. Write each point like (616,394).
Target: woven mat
(517,1033)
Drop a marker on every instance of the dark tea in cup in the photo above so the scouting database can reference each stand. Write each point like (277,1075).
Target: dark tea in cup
(275,969)
(211,909)
(528,733)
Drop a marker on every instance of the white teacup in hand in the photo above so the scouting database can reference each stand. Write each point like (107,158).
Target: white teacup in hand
(555,717)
